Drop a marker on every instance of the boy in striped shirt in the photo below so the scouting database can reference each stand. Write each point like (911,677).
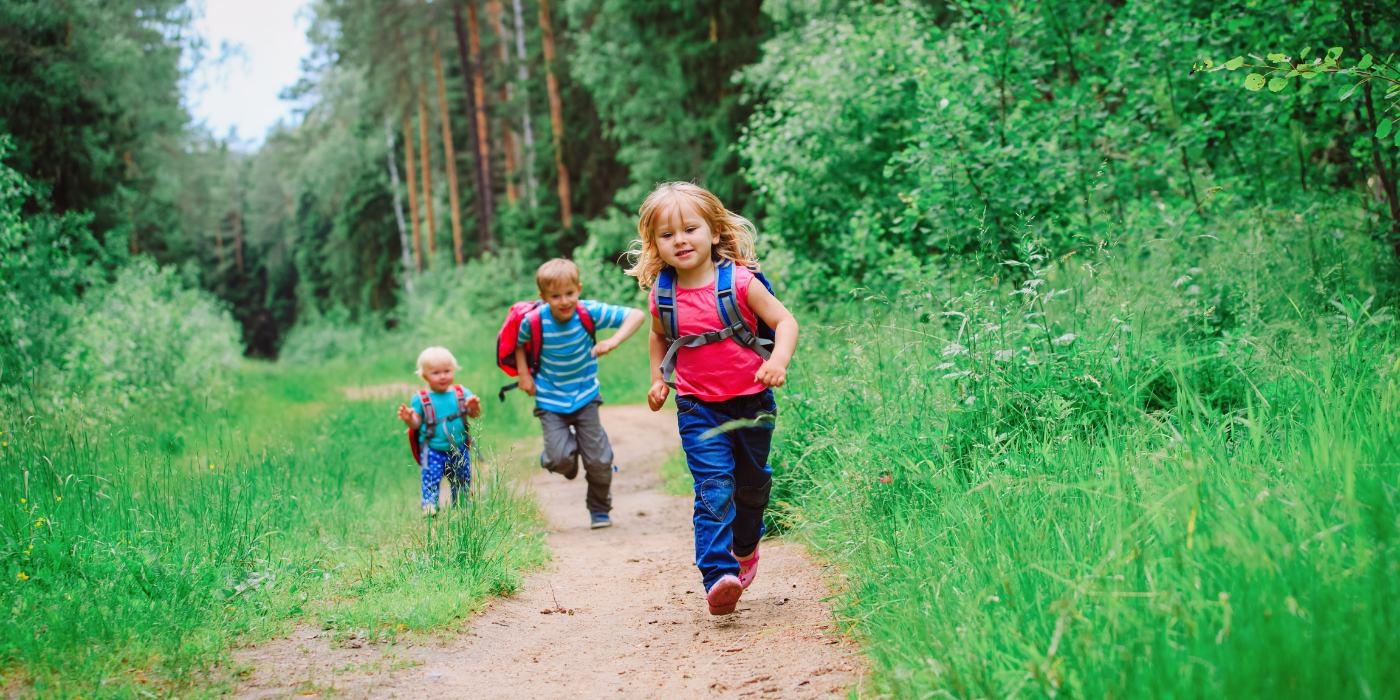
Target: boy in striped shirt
(565,386)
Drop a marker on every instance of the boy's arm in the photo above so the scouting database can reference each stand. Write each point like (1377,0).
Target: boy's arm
(773,373)
(656,351)
(525,381)
(634,320)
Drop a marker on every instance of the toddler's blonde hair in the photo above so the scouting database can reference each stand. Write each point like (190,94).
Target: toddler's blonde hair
(436,356)
(556,272)
(736,234)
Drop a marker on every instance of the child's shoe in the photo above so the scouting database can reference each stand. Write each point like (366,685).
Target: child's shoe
(599,520)
(429,510)
(724,595)
(748,568)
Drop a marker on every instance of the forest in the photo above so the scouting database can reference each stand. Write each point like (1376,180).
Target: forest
(1097,392)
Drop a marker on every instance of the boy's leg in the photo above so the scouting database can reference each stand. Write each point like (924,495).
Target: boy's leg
(597,454)
(712,466)
(560,446)
(753,478)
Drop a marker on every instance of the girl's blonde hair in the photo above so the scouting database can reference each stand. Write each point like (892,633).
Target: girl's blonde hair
(736,234)
(436,356)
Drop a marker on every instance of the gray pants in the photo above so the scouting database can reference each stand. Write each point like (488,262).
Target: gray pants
(568,436)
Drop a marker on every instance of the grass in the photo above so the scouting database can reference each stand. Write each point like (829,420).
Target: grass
(134,550)
(1154,507)
(675,475)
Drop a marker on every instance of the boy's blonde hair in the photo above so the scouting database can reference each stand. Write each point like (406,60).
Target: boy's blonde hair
(436,356)
(556,272)
(736,234)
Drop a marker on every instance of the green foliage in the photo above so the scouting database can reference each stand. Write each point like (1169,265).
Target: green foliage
(1137,471)
(891,135)
(118,558)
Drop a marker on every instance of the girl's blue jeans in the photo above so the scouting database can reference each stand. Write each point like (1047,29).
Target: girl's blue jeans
(455,466)
(732,477)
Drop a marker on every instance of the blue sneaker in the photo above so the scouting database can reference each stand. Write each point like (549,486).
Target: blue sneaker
(599,520)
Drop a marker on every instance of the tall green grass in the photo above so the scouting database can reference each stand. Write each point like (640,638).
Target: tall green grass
(124,559)
(1089,478)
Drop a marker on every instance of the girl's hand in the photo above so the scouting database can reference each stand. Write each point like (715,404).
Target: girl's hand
(771,374)
(656,398)
(474,406)
(409,416)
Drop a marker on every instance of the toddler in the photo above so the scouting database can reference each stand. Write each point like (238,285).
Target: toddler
(440,415)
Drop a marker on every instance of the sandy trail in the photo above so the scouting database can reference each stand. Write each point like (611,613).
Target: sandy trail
(639,626)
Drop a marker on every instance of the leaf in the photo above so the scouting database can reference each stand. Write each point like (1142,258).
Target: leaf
(1254,81)
(1303,55)
(1351,90)
(1277,57)
(1308,74)
(1234,63)
(1334,53)
(763,420)
(1383,129)
(1365,62)
(1277,84)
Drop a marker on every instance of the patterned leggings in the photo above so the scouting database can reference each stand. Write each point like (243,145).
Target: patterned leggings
(455,466)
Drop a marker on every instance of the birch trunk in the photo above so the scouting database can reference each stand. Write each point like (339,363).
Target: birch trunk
(523,73)
(398,207)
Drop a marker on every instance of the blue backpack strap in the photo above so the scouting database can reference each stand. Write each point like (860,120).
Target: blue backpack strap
(734,324)
(666,303)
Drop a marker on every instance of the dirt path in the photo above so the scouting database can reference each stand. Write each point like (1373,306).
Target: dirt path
(638,627)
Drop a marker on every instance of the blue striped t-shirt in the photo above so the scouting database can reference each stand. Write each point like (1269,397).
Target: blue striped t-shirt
(568,376)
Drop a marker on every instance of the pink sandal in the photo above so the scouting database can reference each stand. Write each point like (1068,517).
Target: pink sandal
(748,569)
(724,595)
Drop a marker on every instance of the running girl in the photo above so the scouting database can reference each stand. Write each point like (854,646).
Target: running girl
(440,415)
(709,322)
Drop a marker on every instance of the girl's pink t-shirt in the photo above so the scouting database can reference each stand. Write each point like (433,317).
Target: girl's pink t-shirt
(717,371)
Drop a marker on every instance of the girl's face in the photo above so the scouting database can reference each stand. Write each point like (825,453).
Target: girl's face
(683,237)
(439,377)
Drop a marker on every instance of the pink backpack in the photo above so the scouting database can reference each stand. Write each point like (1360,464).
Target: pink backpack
(510,331)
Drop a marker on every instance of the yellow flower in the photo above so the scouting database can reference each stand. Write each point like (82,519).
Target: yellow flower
(59,498)
(23,501)
(22,577)
(211,466)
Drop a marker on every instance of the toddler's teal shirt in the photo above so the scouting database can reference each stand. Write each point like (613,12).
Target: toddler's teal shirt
(444,404)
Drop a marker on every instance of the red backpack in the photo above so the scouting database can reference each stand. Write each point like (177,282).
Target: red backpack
(431,422)
(529,311)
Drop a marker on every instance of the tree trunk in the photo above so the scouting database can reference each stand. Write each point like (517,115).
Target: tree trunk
(523,72)
(479,83)
(412,195)
(238,240)
(482,168)
(219,243)
(556,115)
(494,10)
(425,167)
(450,153)
(398,207)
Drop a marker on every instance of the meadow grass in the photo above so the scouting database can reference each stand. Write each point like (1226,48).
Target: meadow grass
(1079,490)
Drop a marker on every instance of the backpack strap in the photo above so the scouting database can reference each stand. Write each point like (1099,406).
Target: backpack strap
(666,303)
(430,421)
(734,324)
(532,353)
(461,413)
(586,320)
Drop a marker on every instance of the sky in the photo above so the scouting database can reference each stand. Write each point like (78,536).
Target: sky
(240,92)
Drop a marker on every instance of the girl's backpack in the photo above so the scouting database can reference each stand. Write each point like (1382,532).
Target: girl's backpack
(759,340)
(529,311)
(431,422)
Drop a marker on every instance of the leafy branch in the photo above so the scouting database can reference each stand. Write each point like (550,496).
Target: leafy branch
(1284,68)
